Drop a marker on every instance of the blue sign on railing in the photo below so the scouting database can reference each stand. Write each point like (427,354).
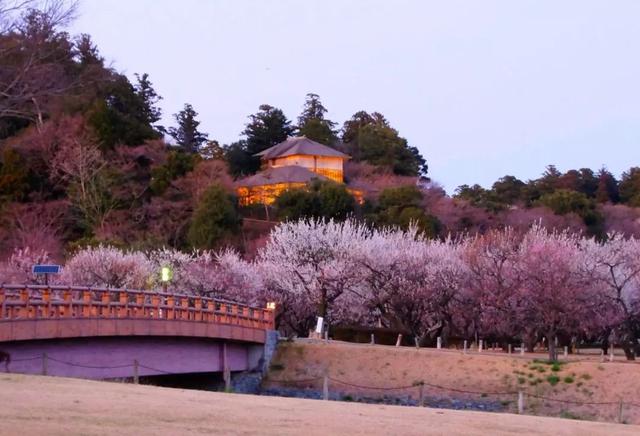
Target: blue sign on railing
(47,269)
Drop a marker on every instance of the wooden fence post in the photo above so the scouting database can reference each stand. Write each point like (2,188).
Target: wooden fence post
(417,341)
(325,388)
(520,402)
(136,378)
(45,364)
(480,346)
(464,349)
(399,340)
(522,348)
(373,339)
(439,343)
(226,372)
(611,353)
(566,352)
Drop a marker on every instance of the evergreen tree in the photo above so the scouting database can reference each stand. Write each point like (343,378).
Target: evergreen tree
(268,127)
(187,135)
(120,116)
(150,113)
(607,188)
(312,123)
(370,138)
(214,220)
(630,187)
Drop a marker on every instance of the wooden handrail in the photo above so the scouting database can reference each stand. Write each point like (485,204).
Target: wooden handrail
(59,302)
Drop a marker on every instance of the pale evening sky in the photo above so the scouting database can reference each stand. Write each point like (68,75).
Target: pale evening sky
(483,88)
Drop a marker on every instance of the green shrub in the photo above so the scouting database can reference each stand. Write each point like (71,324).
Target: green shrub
(214,219)
(555,367)
(276,367)
(568,379)
(553,379)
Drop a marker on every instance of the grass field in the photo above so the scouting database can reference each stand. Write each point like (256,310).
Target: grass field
(35,405)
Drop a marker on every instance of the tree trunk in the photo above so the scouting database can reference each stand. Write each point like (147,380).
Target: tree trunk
(553,352)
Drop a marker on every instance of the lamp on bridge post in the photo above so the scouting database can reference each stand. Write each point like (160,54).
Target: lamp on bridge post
(165,277)
(271,305)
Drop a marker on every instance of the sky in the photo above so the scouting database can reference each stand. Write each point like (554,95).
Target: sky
(483,88)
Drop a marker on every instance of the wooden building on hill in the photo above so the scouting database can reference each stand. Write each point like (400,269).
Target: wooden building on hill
(289,165)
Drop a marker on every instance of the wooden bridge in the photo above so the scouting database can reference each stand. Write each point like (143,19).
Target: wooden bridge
(102,329)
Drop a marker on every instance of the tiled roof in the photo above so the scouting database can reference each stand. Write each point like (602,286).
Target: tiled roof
(300,145)
(286,174)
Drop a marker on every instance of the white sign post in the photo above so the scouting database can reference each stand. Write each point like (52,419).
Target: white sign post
(319,326)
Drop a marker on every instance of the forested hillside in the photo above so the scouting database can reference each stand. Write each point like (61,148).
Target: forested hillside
(84,161)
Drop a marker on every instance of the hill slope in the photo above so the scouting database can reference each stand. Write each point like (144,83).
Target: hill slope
(550,390)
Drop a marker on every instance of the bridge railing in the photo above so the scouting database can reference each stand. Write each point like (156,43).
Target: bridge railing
(19,302)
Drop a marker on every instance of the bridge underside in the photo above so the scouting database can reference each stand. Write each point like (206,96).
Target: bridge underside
(115,357)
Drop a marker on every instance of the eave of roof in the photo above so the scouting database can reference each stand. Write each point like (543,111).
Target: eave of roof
(300,145)
(286,174)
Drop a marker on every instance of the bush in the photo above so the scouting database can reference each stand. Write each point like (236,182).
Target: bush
(214,219)
(568,379)
(319,200)
(553,379)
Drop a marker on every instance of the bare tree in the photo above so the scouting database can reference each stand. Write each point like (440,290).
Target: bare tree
(80,164)
(33,53)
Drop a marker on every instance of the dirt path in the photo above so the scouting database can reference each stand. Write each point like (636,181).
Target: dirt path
(57,406)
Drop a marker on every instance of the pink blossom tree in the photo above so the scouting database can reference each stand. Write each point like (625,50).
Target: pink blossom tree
(18,268)
(555,297)
(307,268)
(614,266)
(108,267)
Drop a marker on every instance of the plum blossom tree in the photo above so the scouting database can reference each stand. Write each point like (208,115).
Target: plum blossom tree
(307,268)
(108,267)
(19,266)
(615,268)
(554,296)
(492,259)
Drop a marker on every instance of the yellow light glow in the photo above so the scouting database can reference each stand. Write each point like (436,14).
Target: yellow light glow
(271,305)
(166,274)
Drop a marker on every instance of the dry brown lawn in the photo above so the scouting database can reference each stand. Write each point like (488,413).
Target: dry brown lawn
(34,405)
(590,380)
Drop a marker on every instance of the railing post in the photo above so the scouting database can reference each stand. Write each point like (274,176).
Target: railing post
(197,304)
(86,304)
(184,308)
(68,307)
(170,310)
(140,309)
(123,299)
(155,302)
(105,300)
(24,299)
(2,303)
(46,299)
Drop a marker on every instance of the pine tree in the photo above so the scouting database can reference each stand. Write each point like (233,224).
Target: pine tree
(187,135)
(313,124)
